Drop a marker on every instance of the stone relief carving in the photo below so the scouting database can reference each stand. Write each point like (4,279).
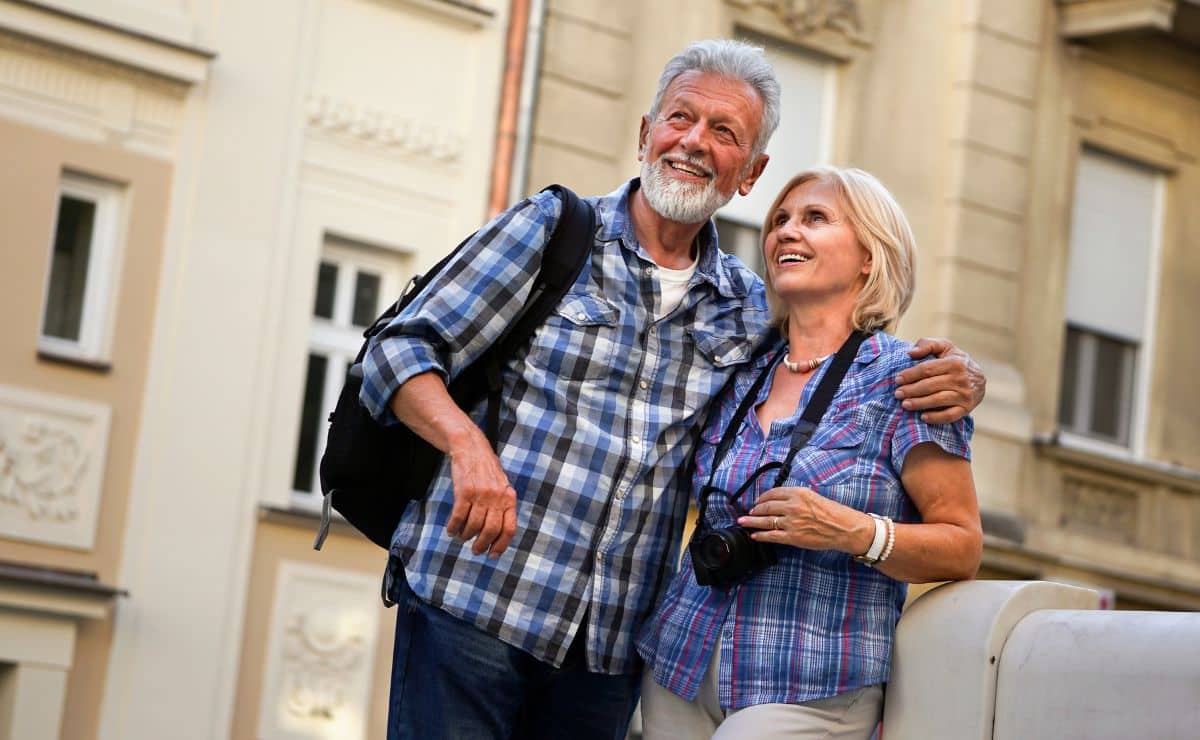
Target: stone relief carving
(803,17)
(40,470)
(1099,508)
(320,652)
(323,649)
(379,128)
(52,455)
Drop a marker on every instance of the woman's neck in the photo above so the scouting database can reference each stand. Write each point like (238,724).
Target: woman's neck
(813,333)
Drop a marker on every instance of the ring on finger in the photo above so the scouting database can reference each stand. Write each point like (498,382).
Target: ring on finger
(776,523)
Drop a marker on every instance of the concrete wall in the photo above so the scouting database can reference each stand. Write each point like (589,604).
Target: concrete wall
(1008,660)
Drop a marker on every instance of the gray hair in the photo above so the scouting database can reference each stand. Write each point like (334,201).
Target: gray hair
(728,58)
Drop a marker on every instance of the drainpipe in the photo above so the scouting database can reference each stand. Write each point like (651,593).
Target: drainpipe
(518,99)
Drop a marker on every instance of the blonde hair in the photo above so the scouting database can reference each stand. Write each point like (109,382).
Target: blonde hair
(881,228)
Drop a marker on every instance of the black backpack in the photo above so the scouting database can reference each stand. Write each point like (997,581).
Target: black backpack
(370,472)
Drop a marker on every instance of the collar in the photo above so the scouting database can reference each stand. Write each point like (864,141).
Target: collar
(617,225)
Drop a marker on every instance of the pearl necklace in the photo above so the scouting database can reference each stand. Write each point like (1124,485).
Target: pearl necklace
(804,366)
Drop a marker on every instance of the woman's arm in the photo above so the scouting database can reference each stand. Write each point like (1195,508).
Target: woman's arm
(946,546)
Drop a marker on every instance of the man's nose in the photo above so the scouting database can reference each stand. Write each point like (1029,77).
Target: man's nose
(695,139)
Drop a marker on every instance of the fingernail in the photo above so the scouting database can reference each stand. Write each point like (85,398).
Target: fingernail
(907,405)
(899,393)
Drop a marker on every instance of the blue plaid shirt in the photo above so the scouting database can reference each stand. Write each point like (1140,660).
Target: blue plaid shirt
(597,426)
(816,623)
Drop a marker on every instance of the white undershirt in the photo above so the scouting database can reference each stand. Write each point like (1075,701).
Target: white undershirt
(673,284)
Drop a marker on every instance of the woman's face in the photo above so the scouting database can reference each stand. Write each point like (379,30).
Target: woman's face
(811,251)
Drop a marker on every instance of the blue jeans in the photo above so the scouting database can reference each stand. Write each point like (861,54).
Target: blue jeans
(452,681)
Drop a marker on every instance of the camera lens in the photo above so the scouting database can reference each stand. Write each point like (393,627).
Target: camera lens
(716,549)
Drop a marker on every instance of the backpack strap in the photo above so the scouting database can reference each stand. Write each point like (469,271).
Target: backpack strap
(563,258)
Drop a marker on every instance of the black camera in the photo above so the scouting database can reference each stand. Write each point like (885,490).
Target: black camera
(722,557)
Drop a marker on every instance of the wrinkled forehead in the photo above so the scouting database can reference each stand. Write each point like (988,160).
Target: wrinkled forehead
(716,88)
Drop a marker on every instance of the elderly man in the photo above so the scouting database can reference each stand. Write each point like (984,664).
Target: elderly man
(526,573)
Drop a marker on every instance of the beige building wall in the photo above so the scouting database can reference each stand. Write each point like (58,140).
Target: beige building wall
(250,143)
(974,113)
(78,101)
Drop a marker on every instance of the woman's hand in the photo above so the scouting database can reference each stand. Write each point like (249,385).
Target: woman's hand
(946,545)
(801,517)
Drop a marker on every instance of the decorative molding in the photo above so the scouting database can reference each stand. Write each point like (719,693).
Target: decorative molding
(76,94)
(159,57)
(52,452)
(832,28)
(1083,18)
(320,653)
(1099,508)
(804,17)
(382,129)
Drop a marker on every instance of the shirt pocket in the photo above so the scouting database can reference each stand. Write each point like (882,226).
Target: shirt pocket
(831,459)
(579,340)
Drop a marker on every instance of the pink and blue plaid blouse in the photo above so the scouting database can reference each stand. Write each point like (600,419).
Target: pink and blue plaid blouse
(817,623)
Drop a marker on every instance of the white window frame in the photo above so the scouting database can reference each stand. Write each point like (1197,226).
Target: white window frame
(104,257)
(338,340)
(1144,363)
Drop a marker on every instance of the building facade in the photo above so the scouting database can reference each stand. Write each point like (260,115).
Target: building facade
(1045,153)
(203,203)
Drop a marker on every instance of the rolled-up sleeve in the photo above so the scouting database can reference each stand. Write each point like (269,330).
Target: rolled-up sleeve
(464,308)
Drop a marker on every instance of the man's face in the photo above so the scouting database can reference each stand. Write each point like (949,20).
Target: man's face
(697,152)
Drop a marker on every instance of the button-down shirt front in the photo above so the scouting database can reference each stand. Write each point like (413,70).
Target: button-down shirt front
(598,421)
(816,623)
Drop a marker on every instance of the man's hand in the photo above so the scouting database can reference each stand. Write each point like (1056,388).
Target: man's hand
(485,504)
(947,388)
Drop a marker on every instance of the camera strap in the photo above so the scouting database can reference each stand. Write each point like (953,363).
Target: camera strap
(805,427)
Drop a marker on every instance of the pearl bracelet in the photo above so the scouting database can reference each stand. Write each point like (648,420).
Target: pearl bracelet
(881,545)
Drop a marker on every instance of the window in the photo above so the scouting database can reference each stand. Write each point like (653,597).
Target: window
(354,284)
(81,281)
(1111,281)
(742,241)
(801,141)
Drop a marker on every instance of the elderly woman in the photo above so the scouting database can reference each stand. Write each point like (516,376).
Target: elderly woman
(781,619)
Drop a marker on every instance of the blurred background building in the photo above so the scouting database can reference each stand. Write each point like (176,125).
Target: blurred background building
(202,203)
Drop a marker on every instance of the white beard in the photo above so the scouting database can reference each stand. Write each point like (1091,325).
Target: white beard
(678,201)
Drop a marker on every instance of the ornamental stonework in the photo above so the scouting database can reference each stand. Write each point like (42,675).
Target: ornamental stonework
(1099,509)
(320,651)
(803,17)
(52,454)
(381,129)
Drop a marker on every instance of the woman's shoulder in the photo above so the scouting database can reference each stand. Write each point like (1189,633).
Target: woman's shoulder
(882,357)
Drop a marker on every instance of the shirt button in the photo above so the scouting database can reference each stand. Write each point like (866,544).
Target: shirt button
(653,329)
(635,442)
(649,270)
(581,315)
(643,385)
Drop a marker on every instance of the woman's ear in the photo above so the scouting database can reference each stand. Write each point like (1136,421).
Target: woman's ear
(867,264)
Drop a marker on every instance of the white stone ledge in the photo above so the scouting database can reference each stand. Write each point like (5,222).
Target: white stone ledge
(161,57)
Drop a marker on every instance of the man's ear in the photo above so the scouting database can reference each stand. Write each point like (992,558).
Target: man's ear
(747,183)
(643,137)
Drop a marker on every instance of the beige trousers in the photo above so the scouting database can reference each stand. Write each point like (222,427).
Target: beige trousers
(665,716)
